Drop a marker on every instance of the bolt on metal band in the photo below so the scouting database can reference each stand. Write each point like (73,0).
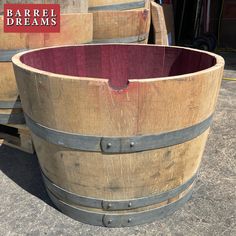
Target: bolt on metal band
(112,205)
(118,219)
(111,145)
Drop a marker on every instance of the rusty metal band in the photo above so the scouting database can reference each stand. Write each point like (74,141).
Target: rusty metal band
(132,39)
(113,205)
(118,219)
(14,118)
(114,144)
(6,55)
(10,104)
(119,6)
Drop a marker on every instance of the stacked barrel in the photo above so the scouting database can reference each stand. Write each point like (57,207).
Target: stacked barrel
(120,21)
(76,28)
(116,21)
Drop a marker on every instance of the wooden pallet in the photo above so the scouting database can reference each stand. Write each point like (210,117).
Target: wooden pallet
(16,136)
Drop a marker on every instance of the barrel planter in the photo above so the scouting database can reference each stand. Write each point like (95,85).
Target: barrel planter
(121,26)
(119,129)
(75,28)
(115,5)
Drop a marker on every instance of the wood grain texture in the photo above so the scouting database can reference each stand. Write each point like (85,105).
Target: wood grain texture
(159,24)
(163,23)
(75,29)
(146,106)
(120,176)
(8,88)
(120,112)
(121,24)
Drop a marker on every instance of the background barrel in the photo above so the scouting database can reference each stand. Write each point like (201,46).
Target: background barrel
(121,26)
(120,21)
(75,28)
(123,151)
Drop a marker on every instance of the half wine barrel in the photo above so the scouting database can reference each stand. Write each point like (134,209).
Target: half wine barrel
(119,130)
(75,28)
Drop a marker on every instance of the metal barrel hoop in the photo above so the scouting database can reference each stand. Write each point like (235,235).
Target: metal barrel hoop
(131,39)
(111,145)
(6,55)
(113,205)
(116,219)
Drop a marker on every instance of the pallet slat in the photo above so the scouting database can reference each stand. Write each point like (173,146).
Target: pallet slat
(16,136)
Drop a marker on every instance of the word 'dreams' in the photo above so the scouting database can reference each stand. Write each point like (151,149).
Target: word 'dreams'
(25,19)
(32,18)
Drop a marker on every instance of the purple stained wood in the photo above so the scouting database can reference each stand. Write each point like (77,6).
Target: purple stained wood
(119,63)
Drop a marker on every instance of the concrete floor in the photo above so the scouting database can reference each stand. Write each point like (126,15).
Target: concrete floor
(25,208)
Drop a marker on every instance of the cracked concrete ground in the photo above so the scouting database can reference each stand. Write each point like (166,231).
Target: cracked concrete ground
(25,208)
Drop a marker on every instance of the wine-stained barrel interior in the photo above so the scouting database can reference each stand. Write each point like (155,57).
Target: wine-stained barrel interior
(76,27)
(119,129)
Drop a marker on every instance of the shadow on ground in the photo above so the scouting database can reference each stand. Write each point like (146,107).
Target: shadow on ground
(24,170)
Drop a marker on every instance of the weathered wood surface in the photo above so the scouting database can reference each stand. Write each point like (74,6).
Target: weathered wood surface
(8,88)
(122,25)
(120,176)
(163,23)
(142,98)
(75,29)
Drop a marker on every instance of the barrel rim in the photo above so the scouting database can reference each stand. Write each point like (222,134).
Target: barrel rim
(17,62)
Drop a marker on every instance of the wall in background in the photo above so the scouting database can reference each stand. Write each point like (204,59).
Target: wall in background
(227,30)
